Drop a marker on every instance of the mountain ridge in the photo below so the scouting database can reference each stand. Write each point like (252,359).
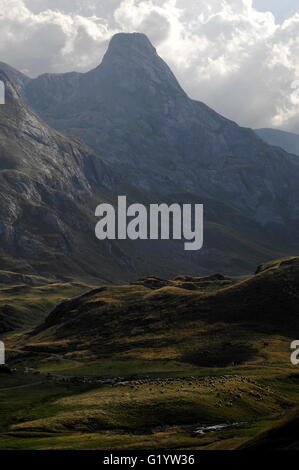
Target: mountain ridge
(171,316)
(167,147)
(45,179)
(288,141)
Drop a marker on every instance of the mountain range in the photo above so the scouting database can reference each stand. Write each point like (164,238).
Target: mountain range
(70,141)
(286,140)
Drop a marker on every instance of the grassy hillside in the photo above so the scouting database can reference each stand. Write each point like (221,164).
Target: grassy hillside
(185,319)
(25,301)
(189,363)
(281,436)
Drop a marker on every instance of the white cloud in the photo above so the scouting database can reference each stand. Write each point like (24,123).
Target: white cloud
(224,52)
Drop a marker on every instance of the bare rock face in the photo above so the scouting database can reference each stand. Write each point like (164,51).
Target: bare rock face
(168,148)
(132,109)
(47,182)
(135,55)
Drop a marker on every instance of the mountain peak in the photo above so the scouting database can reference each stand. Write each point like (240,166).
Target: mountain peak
(130,43)
(132,62)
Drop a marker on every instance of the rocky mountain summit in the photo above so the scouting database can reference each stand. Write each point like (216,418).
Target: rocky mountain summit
(169,148)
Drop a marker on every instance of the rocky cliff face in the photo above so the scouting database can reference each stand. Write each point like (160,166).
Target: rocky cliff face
(50,185)
(47,186)
(170,148)
(132,109)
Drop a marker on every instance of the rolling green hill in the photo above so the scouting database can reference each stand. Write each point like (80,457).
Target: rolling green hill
(193,362)
(185,319)
(281,436)
(24,306)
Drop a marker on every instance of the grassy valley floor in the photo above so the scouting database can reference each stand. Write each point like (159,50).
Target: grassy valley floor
(165,410)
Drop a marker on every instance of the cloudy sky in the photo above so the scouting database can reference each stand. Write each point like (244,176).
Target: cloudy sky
(241,57)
